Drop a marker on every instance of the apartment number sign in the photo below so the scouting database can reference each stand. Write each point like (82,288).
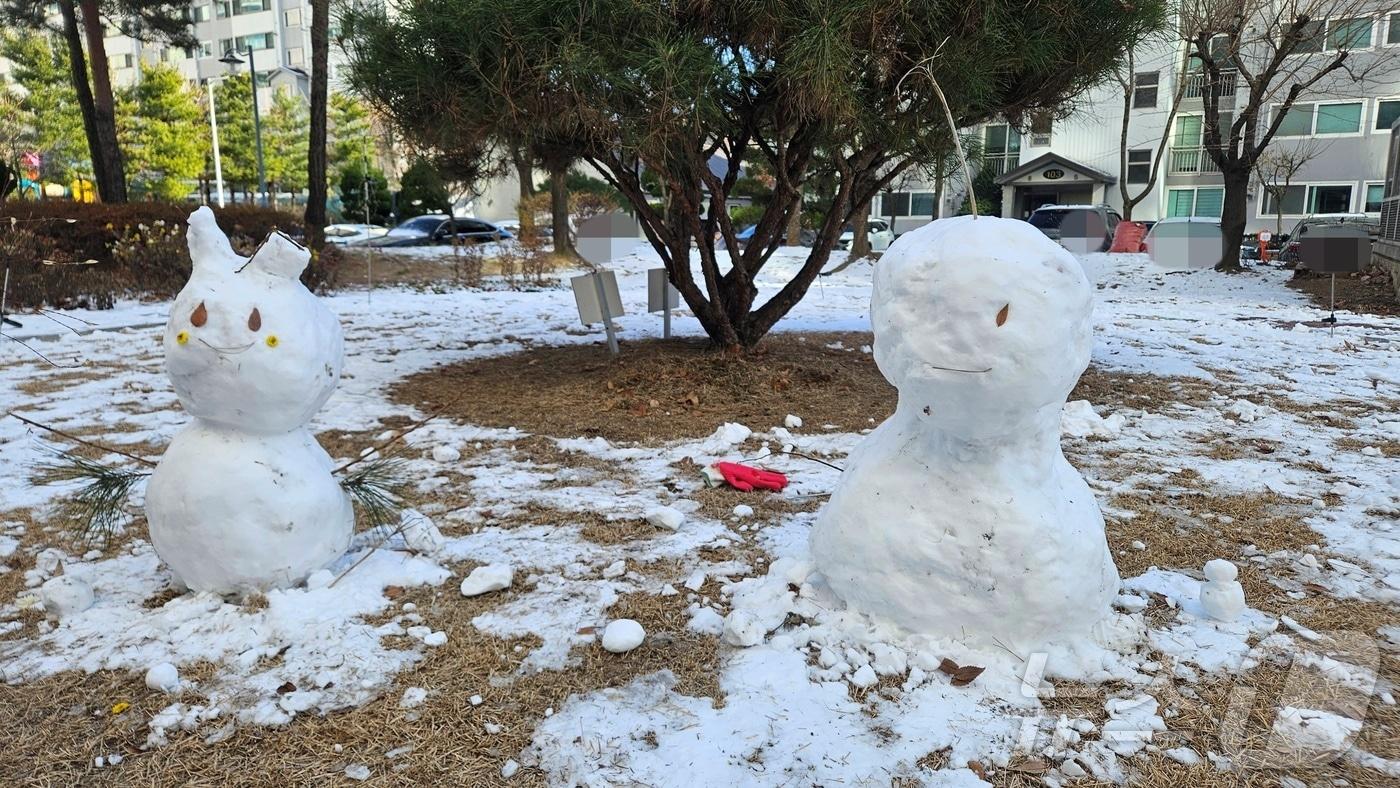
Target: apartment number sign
(1053,174)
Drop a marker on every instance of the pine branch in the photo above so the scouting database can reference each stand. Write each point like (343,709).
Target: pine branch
(375,487)
(99,506)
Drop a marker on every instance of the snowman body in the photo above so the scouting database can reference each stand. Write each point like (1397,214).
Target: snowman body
(959,517)
(244,498)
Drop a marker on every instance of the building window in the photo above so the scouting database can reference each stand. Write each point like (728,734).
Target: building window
(241,7)
(1139,166)
(244,43)
(199,13)
(1307,119)
(1349,33)
(895,204)
(1375,192)
(120,61)
(1145,89)
(292,17)
(1294,198)
(1041,125)
(1387,112)
(1392,29)
(223,9)
(205,49)
(1195,202)
(295,56)
(1001,148)
(1219,49)
(921,204)
(1329,199)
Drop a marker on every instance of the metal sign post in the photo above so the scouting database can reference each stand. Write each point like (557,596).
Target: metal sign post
(599,301)
(662,297)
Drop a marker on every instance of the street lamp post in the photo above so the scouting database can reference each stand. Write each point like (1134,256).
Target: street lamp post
(214,132)
(232,59)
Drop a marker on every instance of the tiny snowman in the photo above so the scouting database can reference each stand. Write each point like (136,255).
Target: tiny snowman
(959,517)
(1222,596)
(244,498)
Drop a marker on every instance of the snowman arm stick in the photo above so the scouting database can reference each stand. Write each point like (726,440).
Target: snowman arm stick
(76,439)
(386,444)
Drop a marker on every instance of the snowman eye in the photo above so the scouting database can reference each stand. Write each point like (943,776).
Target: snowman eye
(254,320)
(200,316)
(1002,315)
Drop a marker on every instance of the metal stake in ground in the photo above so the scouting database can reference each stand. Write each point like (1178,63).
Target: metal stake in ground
(607,314)
(4,295)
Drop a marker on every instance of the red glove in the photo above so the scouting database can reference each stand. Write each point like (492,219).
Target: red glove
(742,477)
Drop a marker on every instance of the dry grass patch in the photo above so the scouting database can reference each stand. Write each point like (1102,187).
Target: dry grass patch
(661,390)
(1389,448)
(1140,390)
(1177,536)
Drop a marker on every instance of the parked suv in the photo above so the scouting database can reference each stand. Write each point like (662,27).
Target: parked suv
(1371,224)
(1078,228)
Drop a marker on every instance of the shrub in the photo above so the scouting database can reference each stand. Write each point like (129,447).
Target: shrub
(421,191)
(137,249)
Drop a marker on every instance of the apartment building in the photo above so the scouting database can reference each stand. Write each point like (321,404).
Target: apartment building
(1344,125)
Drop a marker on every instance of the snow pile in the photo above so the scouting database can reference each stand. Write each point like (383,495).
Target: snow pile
(1078,420)
(485,579)
(984,327)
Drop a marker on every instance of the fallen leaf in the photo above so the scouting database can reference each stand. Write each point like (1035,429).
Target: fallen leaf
(1031,766)
(977,768)
(1002,315)
(393,592)
(947,665)
(966,674)
(1316,588)
(587,630)
(286,687)
(118,708)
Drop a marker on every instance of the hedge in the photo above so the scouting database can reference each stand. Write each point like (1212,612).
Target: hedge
(138,248)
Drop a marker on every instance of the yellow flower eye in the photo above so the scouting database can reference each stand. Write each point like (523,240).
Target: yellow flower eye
(271,340)
(182,337)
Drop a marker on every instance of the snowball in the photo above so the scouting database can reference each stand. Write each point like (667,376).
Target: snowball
(623,635)
(446,453)
(413,697)
(474,700)
(435,639)
(665,517)
(419,532)
(792,422)
(615,569)
(65,596)
(492,577)
(509,769)
(743,510)
(1220,571)
(163,677)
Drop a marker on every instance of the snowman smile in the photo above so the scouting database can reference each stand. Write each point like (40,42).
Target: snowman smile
(955,369)
(226,351)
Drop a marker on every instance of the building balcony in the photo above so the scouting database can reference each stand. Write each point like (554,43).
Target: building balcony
(1190,160)
(1199,83)
(999,163)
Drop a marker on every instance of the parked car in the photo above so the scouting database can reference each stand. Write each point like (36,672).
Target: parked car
(1249,247)
(1078,228)
(1289,255)
(440,229)
(877,230)
(805,237)
(342,234)
(1185,242)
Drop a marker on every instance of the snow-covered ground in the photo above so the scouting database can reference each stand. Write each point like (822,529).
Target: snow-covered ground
(834,699)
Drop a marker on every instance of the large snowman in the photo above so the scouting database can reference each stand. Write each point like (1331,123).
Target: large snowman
(959,517)
(244,498)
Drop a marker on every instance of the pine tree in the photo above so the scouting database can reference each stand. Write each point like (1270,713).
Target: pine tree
(351,133)
(694,91)
(233,107)
(163,133)
(48,112)
(286,132)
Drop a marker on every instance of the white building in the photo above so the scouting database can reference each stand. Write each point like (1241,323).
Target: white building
(1077,160)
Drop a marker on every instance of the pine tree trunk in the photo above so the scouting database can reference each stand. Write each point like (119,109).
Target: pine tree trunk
(559,207)
(315,216)
(794,225)
(77,62)
(1232,219)
(524,173)
(860,232)
(111,184)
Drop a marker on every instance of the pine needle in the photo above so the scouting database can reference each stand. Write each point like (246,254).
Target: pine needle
(99,506)
(375,486)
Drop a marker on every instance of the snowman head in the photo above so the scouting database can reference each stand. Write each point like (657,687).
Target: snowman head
(980,323)
(247,346)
